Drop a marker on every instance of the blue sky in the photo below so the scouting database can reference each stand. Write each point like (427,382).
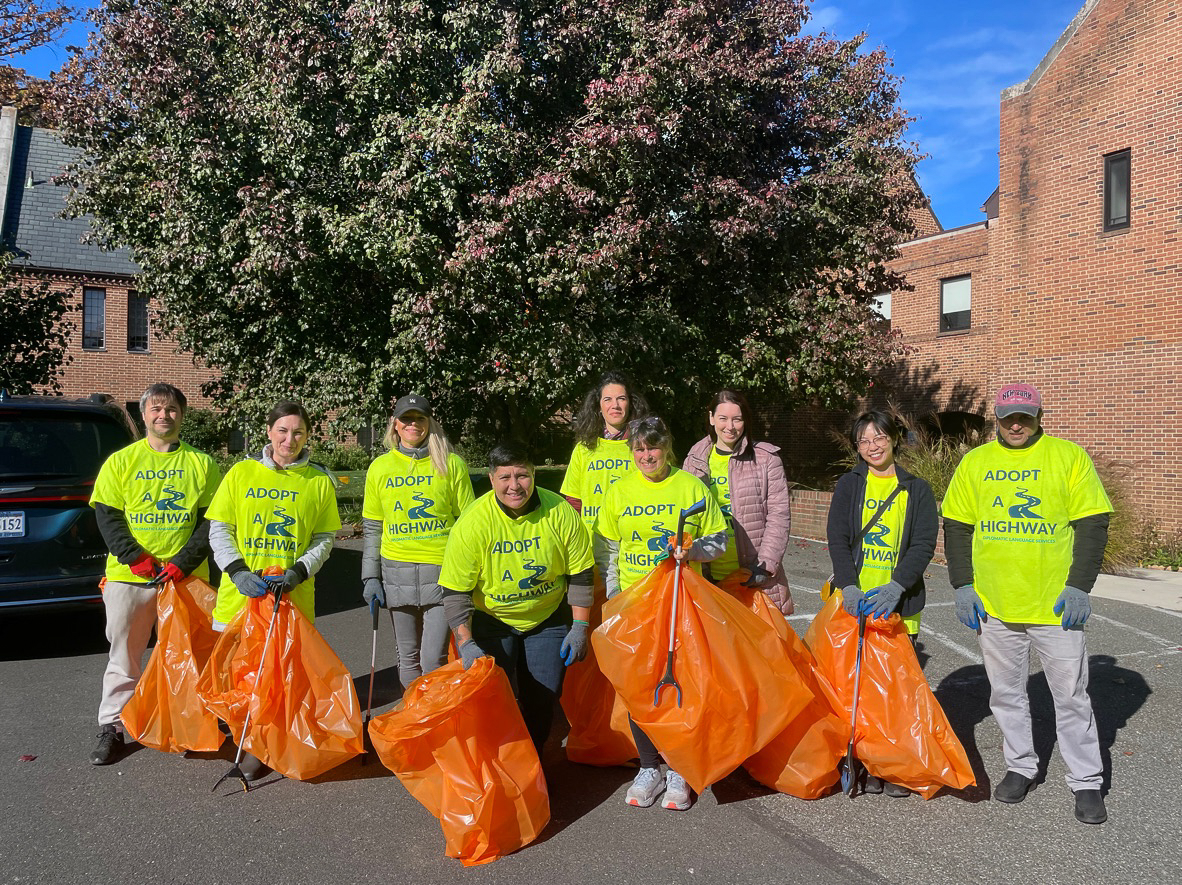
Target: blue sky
(955,58)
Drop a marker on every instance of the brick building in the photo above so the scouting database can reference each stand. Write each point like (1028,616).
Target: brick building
(115,349)
(1073,282)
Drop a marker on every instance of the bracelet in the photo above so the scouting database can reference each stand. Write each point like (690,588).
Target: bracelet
(584,623)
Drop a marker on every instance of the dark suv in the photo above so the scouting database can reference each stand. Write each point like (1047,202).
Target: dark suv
(50,453)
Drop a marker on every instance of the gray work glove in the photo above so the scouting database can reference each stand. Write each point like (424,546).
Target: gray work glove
(1074,605)
(613,591)
(881,601)
(373,589)
(759,576)
(292,579)
(969,608)
(851,599)
(470,652)
(250,584)
(574,647)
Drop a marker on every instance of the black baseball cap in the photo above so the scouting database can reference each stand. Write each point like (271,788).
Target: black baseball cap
(412,402)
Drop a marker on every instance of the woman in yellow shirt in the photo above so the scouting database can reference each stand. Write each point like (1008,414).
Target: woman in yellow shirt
(880,569)
(634,531)
(413,495)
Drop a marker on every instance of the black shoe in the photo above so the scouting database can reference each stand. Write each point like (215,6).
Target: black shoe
(1089,807)
(252,768)
(110,746)
(895,791)
(1013,788)
(873,784)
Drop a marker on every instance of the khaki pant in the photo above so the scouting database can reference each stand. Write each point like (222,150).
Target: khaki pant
(1064,655)
(131,616)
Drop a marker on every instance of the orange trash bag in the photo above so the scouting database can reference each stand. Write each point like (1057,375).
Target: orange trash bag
(738,685)
(304,714)
(164,711)
(903,735)
(599,731)
(458,743)
(802,759)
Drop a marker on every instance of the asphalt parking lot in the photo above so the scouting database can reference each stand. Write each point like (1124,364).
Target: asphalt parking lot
(153,818)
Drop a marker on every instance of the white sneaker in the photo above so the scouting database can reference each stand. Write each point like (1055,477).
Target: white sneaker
(646,787)
(678,796)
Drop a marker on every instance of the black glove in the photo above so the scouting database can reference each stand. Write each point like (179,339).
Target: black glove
(759,576)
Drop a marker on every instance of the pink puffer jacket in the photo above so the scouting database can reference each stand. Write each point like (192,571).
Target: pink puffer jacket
(760,509)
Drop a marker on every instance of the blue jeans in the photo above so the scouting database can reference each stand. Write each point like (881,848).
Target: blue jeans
(532,661)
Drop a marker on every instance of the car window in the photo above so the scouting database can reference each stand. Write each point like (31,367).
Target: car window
(46,445)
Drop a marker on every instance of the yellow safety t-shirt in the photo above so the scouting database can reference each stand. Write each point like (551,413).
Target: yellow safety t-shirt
(591,473)
(720,489)
(642,516)
(159,494)
(416,506)
(516,568)
(880,545)
(275,513)
(1020,503)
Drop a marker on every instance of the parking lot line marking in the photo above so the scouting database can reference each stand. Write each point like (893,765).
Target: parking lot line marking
(925,632)
(1144,634)
(796,588)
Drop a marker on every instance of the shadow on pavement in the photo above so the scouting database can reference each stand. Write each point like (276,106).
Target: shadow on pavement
(1117,694)
(52,633)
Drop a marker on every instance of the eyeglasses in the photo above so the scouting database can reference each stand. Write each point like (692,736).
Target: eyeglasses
(876,442)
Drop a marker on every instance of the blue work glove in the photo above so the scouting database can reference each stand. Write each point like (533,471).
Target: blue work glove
(574,647)
(470,652)
(881,601)
(851,600)
(1074,605)
(373,589)
(250,584)
(969,608)
(759,576)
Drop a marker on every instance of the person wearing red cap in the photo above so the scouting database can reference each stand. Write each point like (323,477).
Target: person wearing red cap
(1025,526)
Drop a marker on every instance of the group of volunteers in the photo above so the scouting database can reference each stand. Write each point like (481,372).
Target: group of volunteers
(513,574)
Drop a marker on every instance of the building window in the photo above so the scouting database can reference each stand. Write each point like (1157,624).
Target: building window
(881,305)
(1116,190)
(94,318)
(955,304)
(137,322)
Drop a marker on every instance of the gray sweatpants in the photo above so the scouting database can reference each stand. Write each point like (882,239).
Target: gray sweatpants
(1064,656)
(131,616)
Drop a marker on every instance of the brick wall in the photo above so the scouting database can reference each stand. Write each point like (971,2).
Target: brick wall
(1093,318)
(114,369)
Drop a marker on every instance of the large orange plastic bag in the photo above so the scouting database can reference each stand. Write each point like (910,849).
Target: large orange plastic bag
(903,735)
(164,711)
(738,685)
(458,743)
(802,759)
(599,731)
(304,715)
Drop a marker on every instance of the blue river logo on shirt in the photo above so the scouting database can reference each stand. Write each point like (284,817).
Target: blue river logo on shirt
(1023,511)
(278,528)
(422,509)
(534,579)
(875,536)
(659,543)
(170,499)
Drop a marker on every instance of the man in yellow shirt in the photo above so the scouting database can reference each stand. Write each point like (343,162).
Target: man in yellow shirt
(1025,526)
(150,500)
(516,584)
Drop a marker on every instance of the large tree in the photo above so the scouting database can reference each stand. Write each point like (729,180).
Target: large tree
(492,202)
(34,332)
(25,25)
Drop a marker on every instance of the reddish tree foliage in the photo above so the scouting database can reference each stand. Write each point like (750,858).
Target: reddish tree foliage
(493,202)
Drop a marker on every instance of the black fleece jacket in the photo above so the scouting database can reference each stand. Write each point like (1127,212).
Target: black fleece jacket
(921,528)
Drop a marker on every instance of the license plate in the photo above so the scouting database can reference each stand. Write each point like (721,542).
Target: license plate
(12,524)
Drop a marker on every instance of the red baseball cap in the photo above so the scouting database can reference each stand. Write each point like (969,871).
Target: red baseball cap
(1016,399)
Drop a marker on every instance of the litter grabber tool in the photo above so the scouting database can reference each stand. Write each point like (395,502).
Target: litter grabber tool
(668,678)
(849,778)
(373,661)
(274,578)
